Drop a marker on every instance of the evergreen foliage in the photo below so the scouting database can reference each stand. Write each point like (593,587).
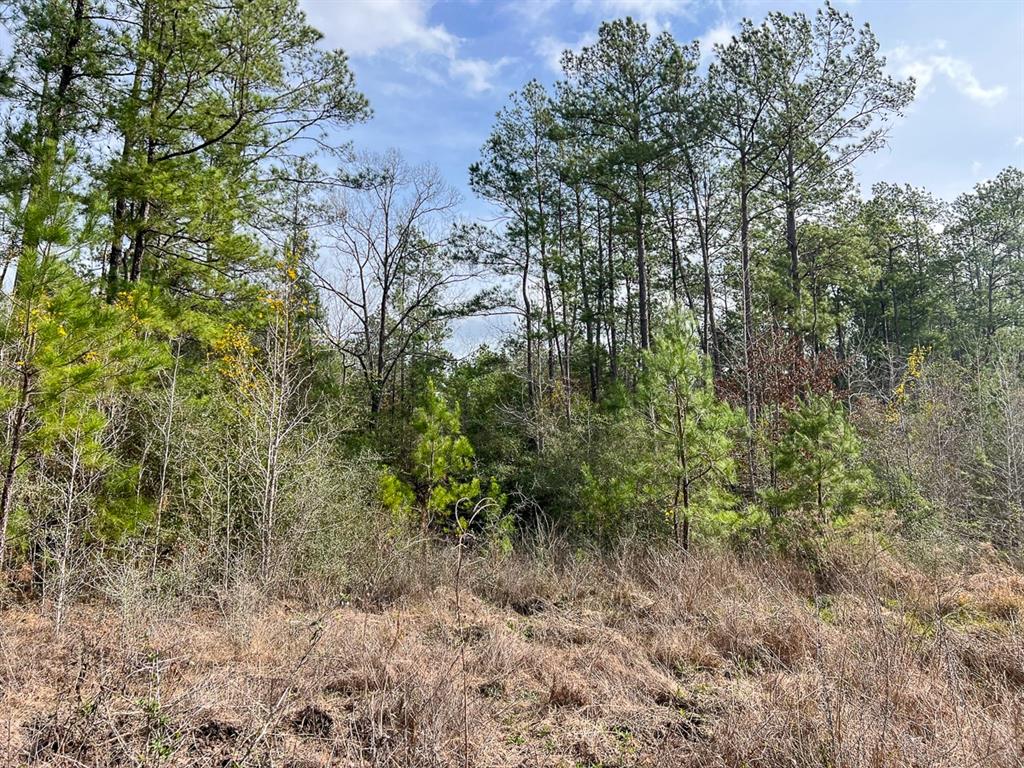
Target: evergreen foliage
(226,338)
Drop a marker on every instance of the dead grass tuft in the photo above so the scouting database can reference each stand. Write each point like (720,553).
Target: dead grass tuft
(646,659)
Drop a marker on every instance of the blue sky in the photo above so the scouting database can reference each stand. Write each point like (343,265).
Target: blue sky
(436,72)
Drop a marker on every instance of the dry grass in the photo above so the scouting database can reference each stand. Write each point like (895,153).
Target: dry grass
(644,660)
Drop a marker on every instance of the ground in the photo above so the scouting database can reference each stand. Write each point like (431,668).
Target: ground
(711,659)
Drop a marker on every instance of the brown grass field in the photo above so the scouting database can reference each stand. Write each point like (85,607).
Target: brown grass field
(640,660)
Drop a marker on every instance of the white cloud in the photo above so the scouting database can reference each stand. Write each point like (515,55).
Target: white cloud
(636,8)
(976,168)
(924,67)
(478,73)
(1019,141)
(720,35)
(367,27)
(550,49)
(364,28)
(655,13)
(532,11)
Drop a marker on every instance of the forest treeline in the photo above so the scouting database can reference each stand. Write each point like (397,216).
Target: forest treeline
(226,337)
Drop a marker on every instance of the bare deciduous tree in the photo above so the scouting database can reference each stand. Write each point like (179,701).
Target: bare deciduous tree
(394,277)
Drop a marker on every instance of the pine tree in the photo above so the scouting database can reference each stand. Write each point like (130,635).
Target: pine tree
(616,94)
(445,492)
(817,462)
(690,428)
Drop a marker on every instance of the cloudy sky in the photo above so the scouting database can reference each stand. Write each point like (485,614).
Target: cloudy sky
(436,72)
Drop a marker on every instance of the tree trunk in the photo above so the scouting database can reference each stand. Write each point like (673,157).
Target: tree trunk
(17,431)
(748,318)
(613,342)
(48,135)
(528,314)
(709,336)
(156,92)
(139,243)
(791,241)
(118,218)
(588,317)
(642,298)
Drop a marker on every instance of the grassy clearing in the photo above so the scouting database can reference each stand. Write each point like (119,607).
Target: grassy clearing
(652,659)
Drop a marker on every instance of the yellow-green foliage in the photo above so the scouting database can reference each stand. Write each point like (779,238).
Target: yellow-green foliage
(444,491)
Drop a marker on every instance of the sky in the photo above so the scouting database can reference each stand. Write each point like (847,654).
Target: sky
(436,72)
